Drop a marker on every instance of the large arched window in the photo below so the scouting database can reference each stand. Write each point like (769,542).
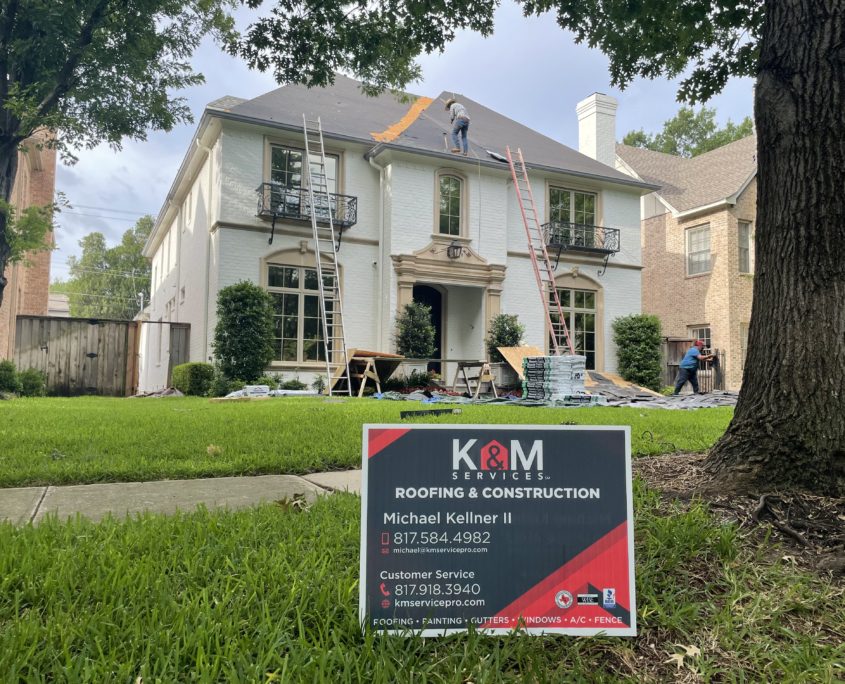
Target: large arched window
(450,206)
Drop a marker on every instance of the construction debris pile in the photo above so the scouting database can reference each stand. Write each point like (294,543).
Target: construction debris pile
(553,378)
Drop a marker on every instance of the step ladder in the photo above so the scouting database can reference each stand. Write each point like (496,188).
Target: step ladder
(326,244)
(543,269)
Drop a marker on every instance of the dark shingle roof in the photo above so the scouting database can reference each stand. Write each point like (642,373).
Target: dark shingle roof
(346,112)
(689,183)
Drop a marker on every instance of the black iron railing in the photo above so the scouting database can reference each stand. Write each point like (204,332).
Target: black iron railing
(279,202)
(581,237)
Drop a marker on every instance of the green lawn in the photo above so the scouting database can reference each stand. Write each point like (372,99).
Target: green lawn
(270,595)
(96,439)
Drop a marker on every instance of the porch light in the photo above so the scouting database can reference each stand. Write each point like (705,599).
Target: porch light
(454,250)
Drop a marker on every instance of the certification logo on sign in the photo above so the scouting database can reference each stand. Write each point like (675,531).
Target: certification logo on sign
(499,527)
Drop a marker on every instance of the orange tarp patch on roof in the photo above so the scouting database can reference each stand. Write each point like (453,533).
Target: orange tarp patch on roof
(394,131)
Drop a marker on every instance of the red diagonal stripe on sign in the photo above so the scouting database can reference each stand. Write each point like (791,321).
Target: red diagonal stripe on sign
(603,564)
(380,438)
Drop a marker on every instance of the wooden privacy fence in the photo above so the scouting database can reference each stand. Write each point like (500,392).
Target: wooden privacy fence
(79,355)
(90,355)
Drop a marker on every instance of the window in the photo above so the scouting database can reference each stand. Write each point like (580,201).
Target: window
(702,333)
(286,173)
(579,310)
(569,206)
(449,214)
(698,250)
(743,344)
(297,325)
(744,240)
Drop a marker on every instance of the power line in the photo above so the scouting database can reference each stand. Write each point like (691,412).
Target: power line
(104,218)
(113,211)
(98,296)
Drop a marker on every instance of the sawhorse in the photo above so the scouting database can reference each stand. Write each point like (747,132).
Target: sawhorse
(484,375)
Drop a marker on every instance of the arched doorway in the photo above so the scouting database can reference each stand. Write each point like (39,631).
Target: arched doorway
(430,296)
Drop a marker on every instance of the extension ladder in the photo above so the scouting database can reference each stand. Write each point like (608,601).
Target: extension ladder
(325,249)
(537,250)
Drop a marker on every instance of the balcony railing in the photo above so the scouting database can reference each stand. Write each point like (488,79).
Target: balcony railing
(277,201)
(581,237)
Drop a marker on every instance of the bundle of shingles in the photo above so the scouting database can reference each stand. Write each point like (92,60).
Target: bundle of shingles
(553,378)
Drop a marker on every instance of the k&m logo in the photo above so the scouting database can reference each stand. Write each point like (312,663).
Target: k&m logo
(494,457)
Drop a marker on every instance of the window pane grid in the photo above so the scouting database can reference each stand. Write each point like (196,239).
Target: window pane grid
(297,321)
(570,206)
(579,310)
(450,205)
(744,245)
(698,250)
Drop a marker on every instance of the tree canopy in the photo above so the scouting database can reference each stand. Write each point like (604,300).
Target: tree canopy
(690,133)
(109,282)
(94,71)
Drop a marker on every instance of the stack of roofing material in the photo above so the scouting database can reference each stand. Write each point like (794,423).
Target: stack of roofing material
(553,378)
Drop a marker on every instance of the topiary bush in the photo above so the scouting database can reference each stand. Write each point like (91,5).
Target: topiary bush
(33,383)
(505,331)
(9,381)
(243,336)
(415,332)
(637,339)
(193,379)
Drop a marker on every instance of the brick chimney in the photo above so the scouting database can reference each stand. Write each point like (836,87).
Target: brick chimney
(597,127)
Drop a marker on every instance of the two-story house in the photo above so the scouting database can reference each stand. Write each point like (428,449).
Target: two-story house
(418,223)
(698,245)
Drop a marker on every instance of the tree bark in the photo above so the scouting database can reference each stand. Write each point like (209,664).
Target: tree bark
(8,170)
(788,429)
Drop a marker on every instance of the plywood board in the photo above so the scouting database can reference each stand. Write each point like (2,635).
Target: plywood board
(514,356)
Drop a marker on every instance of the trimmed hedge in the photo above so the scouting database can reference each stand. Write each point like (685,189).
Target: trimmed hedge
(637,339)
(243,337)
(9,381)
(193,378)
(33,383)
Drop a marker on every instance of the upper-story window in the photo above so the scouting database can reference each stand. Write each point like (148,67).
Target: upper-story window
(572,206)
(698,249)
(449,207)
(744,241)
(286,168)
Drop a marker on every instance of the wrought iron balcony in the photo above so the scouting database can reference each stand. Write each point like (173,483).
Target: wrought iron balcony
(581,237)
(275,201)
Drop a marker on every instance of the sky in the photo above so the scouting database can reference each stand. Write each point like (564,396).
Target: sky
(529,70)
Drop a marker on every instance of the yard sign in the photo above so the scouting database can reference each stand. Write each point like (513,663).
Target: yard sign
(497,527)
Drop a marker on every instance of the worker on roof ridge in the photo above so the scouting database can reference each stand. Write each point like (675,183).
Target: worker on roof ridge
(460,124)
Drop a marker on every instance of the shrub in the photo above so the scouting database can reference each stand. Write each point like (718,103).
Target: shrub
(319,384)
(505,331)
(221,385)
(637,339)
(295,384)
(33,382)
(244,332)
(269,380)
(9,381)
(415,332)
(193,378)
(416,380)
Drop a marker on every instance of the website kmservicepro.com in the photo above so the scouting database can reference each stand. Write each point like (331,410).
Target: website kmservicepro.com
(439,603)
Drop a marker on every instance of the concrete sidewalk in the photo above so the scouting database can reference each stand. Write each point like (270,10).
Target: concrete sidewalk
(95,501)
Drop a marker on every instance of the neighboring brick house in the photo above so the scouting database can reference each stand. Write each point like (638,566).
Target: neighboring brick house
(698,244)
(27,289)
(404,200)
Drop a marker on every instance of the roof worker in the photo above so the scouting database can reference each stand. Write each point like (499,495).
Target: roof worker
(688,370)
(460,124)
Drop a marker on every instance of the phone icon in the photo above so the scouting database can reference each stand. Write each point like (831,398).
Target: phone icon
(383,589)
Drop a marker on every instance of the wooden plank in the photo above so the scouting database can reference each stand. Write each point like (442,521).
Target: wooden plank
(515,355)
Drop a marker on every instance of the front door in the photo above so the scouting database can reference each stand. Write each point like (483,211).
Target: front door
(425,294)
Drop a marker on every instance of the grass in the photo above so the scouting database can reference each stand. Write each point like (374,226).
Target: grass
(270,595)
(96,439)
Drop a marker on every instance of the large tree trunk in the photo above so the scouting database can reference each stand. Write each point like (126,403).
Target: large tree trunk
(789,426)
(8,169)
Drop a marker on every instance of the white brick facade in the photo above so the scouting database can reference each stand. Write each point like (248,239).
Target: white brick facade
(218,240)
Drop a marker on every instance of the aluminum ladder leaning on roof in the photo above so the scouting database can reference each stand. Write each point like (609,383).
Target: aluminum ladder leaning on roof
(539,255)
(326,244)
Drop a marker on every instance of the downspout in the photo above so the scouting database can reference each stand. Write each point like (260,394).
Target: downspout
(208,203)
(381,258)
